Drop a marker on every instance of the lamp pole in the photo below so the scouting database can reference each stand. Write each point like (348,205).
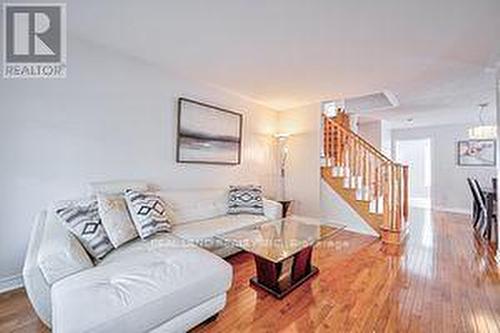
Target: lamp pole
(283,156)
(282,140)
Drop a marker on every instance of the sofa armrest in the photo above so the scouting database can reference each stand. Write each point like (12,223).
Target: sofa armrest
(272,209)
(60,254)
(36,286)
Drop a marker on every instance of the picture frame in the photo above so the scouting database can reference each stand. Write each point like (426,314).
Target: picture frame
(476,152)
(208,134)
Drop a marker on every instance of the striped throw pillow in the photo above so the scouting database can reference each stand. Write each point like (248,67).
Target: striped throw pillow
(81,218)
(149,212)
(245,200)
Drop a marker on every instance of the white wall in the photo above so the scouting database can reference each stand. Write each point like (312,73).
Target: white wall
(386,140)
(371,131)
(303,180)
(334,208)
(378,133)
(449,181)
(112,118)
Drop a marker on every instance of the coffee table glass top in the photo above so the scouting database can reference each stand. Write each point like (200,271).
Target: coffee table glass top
(280,239)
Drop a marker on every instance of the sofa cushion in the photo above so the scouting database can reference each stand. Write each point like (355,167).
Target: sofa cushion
(138,287)
(116,219)
(81,217)
(118,186)
(149,212)
(272,209)
(245,199)
(202,232)
(195,205)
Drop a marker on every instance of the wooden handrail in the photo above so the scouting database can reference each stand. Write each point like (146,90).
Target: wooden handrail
(368,145)
(380,179)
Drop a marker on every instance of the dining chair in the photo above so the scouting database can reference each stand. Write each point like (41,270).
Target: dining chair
(493,200)
(485,229)
(476,204)
(492,217)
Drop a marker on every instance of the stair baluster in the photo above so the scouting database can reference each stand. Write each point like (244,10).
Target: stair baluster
(368,179)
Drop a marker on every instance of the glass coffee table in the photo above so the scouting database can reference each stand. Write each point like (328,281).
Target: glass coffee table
(282,250)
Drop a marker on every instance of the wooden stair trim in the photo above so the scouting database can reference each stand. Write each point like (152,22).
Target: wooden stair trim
(366,178)
(365,143)
(349,196)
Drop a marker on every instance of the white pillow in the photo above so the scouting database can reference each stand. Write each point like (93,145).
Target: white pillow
(115,219)
(60,253)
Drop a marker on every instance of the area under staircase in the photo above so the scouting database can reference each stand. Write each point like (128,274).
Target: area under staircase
(371,183)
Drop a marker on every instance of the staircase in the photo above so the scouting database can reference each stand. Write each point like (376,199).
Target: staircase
(371,183)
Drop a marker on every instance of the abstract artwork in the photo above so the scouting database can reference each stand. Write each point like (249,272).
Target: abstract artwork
(207,134)
(476,153)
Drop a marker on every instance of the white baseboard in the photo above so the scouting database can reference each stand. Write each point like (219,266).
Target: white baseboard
(10,283)
(452,210)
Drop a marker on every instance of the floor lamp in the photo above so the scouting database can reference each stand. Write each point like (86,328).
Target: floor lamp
(282,140)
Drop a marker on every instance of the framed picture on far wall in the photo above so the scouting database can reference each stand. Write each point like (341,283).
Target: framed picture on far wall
(208,134)
(476,153)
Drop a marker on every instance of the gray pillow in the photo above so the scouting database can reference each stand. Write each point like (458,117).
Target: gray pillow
(245,200)
(148,211)
(81,218)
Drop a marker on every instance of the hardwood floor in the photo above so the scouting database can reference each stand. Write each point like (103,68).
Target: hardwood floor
(442,280)
(17,315)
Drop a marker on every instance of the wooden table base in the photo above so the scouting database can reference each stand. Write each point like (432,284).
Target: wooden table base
(279,279)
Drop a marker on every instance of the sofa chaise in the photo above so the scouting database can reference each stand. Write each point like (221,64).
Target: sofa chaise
(170,282)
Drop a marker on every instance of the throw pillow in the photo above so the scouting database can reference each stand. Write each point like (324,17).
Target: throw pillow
(245,199)
(116,219)
(149,213)
(82,219)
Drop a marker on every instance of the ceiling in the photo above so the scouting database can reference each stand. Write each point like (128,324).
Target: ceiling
(285,53)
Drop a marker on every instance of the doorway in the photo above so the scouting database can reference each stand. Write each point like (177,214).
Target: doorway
(417,155)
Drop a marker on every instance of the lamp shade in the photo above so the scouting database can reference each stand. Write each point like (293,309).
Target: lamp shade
(483,132)
(281,136)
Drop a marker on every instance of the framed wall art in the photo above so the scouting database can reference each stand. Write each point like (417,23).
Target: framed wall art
(208,134)
(476,153)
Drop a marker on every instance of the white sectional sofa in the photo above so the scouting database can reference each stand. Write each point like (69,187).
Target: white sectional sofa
(170,282)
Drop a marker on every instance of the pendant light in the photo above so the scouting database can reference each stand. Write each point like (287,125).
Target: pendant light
(482,131)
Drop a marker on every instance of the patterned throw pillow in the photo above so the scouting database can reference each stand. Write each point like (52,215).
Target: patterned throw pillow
(82,219)
(149,213)
(116,219)
(246,200)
